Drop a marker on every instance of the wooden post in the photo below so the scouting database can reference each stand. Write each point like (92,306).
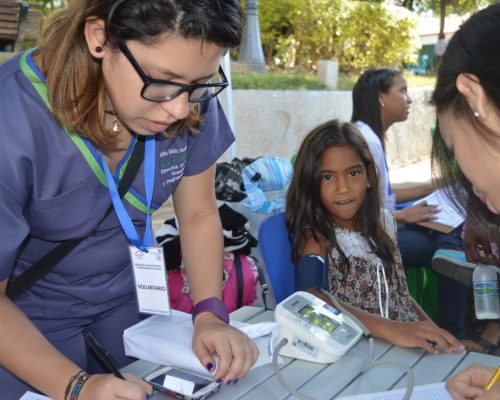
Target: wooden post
(30,24)
(9,22)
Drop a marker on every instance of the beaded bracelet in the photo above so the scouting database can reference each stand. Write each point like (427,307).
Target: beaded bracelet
(78,385)
(70,383)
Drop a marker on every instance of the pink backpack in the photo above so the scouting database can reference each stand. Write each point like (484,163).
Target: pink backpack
(241,276)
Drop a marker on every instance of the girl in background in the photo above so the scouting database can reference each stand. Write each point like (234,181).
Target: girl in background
(345,242)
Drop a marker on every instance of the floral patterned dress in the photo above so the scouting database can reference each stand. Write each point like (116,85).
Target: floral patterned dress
(359,286)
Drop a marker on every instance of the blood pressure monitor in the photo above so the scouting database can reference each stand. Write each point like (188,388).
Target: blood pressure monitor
(315,330)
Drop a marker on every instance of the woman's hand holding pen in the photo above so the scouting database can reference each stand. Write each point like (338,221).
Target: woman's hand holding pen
(108,386)
(470,383)
(115,385)
(235,351)
(419,212)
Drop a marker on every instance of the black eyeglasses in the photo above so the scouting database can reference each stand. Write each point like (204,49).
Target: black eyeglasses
(159,90)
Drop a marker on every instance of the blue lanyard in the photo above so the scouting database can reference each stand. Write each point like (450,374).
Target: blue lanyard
(149,176)
(121,212)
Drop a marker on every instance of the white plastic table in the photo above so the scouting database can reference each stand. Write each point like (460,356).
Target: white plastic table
(327,381)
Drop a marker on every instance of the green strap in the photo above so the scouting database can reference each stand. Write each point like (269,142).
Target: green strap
(41,89)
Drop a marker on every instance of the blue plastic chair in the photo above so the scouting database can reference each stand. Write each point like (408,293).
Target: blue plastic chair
(276,252)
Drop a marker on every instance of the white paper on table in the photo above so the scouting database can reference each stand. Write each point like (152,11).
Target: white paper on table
(448,215)
(167,341)
(433,391)
(33,396)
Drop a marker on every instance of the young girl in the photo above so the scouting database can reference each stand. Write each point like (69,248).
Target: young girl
(334,213)
(107,76)
(467,100)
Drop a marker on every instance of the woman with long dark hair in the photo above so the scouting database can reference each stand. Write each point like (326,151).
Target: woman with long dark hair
(466,146)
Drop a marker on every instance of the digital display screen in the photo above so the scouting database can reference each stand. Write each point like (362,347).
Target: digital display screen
(317,319)
(199,381)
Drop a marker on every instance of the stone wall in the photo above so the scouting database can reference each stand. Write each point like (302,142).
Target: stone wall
(272,122)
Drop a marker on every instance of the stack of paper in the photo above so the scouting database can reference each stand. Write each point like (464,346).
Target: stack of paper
(448,218)
(167,341)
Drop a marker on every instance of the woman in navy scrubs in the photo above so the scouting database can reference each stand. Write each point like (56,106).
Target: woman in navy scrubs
(105,74)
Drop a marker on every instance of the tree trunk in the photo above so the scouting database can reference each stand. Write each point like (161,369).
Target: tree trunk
(442,16)
(408,4)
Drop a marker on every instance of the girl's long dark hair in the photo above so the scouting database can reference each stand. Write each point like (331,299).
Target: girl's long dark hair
(365,100)
(474,49)
(305,214)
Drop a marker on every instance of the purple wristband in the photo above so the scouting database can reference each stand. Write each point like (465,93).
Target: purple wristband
(213,305)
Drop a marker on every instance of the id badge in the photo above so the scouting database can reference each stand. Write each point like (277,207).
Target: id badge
(150,280)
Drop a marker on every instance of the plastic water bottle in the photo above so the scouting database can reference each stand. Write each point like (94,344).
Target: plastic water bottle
(486,302)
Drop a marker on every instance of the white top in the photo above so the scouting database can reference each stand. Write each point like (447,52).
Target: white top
(366,284)
(387,196)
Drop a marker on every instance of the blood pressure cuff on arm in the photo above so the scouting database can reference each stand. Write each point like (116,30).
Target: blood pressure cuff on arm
(311,273)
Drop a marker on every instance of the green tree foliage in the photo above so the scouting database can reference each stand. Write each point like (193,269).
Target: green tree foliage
(359,35)
(452,6)
(445,7)
(378,35)
(49,5)
(277,21)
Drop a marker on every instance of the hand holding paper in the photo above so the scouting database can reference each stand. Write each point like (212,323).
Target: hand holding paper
(167,341)
(215,342)
(421,212)
(448,217)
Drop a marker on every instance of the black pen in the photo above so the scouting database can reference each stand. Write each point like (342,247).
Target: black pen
(103,355)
